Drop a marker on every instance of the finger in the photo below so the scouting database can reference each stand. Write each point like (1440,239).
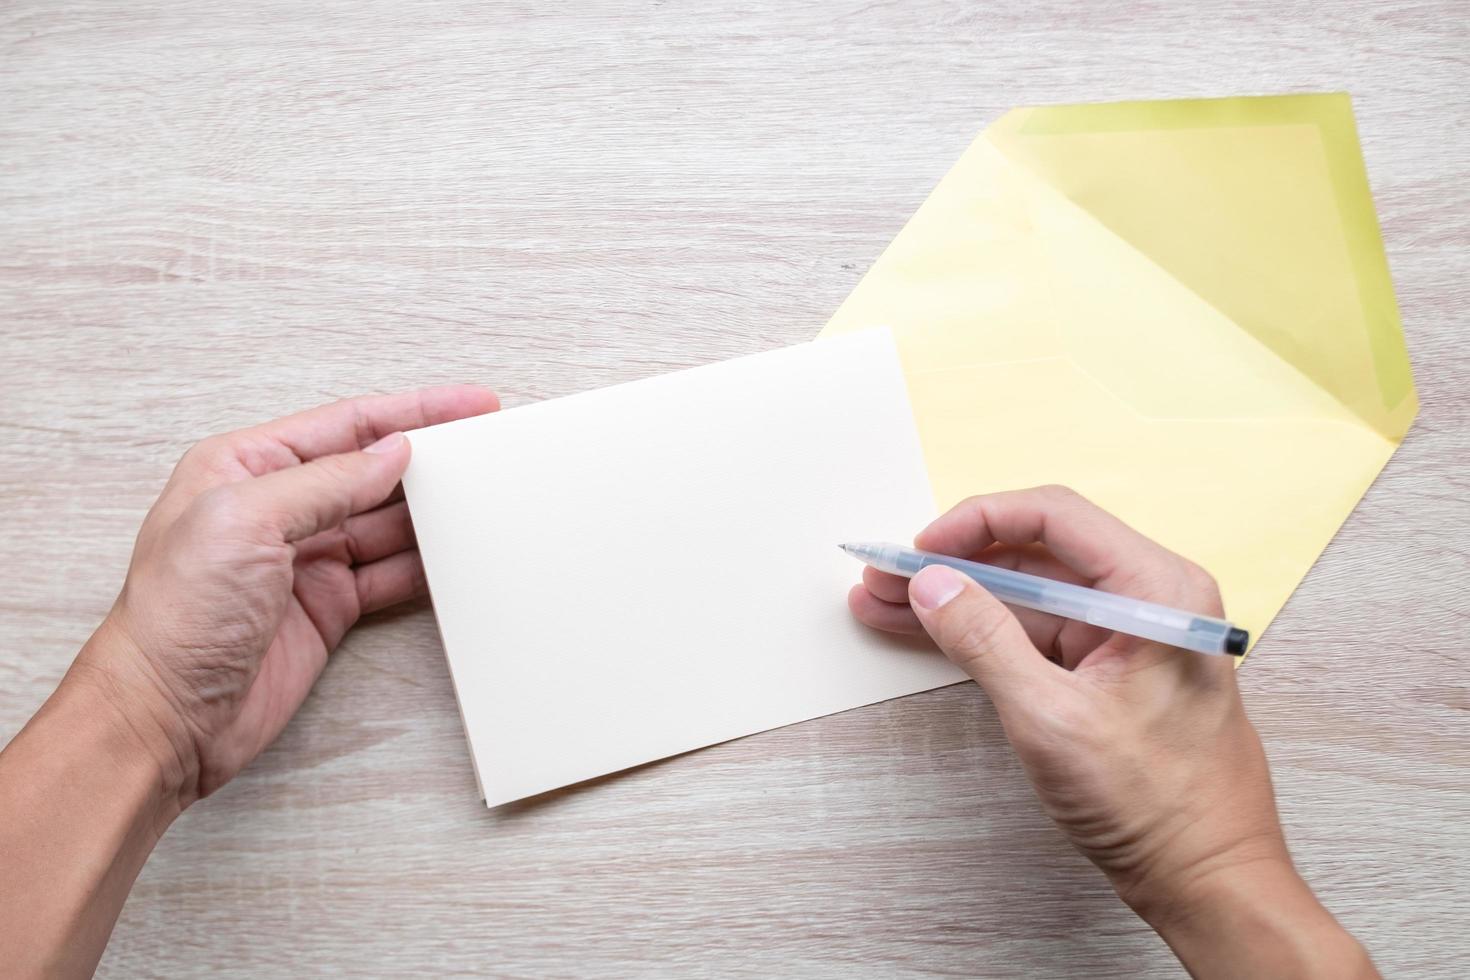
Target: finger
(1089,540)
(390,581)
(1060,640)
(882,602)
(378,533)
(1083,535)
(978,634)
(365,537)
(338,428)
(890,617)
(300,501)
(327,593)
(1034,560)
(1064,641)
(889,588)
(359,422)
(1044,630)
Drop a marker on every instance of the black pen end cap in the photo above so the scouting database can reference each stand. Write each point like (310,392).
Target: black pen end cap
(1236,641)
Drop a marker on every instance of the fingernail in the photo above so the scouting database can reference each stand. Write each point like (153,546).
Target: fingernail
(935,585)
(386,444)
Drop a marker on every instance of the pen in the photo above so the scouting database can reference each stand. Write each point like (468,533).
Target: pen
(1203,634)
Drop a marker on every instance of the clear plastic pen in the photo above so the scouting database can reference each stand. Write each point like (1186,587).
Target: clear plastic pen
(1203,634)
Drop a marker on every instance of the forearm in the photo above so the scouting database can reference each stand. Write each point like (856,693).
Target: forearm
(84,796)
(1259,920)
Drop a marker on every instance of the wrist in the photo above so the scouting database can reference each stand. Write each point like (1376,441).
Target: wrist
(86,791)
(1199,866)
(113,683)
(1257,917)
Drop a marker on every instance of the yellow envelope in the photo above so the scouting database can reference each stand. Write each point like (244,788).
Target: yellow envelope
(1181,309)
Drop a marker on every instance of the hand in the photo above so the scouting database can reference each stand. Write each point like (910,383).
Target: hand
(1142,754)
(265,546)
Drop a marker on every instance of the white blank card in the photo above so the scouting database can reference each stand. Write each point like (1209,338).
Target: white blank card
(634,572)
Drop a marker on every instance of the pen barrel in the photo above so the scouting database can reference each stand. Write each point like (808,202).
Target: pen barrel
(1151,621)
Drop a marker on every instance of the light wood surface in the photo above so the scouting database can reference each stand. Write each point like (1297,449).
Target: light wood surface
(213,213)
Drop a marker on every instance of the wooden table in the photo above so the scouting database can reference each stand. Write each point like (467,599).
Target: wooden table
(214,213)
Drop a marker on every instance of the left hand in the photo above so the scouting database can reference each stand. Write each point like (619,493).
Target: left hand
(265,546)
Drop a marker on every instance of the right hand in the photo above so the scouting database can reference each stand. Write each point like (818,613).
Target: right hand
(1141,753)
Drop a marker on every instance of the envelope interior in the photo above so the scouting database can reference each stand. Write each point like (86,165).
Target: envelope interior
(1059,325)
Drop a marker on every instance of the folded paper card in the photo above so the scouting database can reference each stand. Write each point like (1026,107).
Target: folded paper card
(1181,309)
(634,572)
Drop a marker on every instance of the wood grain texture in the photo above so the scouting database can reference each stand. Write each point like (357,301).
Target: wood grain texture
(213,213)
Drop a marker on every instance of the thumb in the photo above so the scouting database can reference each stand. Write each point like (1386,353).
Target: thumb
(300,501)
(975,631)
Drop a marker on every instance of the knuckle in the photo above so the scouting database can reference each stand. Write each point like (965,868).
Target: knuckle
(1199,579)
(344,541)
(205,453)
(218,508)
(966,511)
(1202,585)
(362,424)
(366,584)
(1058,492)
(1057,498)
(970,503)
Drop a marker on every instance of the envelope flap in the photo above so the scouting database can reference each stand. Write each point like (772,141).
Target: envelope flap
(997,268)
(1261,207)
